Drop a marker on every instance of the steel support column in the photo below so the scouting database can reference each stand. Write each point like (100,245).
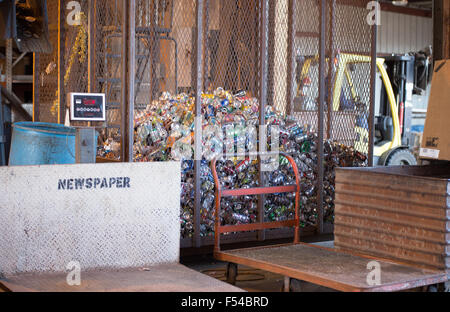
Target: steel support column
(330,69)
(92,4)
(35,86)
(128,77)
(200,6)
(2,136)
(373,77)
(61,61)
(9,61)
(291,60)
(320,164)
(263,101)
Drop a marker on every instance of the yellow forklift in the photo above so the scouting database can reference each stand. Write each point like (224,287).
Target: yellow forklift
(393,110)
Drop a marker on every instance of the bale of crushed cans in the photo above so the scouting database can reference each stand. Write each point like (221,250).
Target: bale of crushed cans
(164,131)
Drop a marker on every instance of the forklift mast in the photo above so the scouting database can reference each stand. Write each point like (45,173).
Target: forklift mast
(401,71)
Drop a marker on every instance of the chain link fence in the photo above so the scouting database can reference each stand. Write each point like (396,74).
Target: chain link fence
(232,50)
(351,47)
(48,100)
(166,60)
(106,29)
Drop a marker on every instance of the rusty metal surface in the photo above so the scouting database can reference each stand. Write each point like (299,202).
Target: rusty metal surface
(249,237)
(260,225)
(161,278)
(330,268)
(256,226)
(260,190)
(128,81)
(400,213)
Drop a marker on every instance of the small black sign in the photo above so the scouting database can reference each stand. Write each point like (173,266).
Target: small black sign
(87,107)
(432,142)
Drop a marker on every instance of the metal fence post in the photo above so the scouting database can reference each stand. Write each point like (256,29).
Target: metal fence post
(323,22)
(91,46)
(2,136)
(35,86)
(128,77)
(198,114)
(331,55)
(373,76)
(263,100)
(291,60)
(9,60)
(61,61)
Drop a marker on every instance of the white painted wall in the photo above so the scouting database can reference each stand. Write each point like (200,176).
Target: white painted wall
(401,33)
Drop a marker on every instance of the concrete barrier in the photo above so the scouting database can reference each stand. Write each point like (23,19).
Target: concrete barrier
(102,216)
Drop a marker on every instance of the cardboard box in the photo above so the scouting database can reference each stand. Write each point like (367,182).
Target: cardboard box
(436,136)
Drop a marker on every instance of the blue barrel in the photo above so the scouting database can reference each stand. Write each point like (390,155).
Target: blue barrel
(38,143)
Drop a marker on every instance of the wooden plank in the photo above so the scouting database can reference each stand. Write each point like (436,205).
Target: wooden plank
(330,268)
(161,278)
(441,30)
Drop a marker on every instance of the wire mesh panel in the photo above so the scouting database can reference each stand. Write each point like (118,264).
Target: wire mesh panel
(164,49)
(232,72)
(347,75)
(232,57)
(351,46)
(232,45)
(306,92)
(74,46)
(306,49)
(349,49)
(106,63)
(48,70)
(279,62)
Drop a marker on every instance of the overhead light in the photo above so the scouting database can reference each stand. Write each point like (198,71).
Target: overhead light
(400,2)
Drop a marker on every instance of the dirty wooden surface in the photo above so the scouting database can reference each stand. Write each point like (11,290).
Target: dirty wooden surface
(329,268)
(161,278)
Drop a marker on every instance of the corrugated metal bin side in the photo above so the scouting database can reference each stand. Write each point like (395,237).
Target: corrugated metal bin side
(398,213)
